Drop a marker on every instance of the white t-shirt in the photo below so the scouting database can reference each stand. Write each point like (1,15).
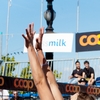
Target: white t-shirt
(4,94)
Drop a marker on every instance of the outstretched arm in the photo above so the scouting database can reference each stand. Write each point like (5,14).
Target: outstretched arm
(37,73)
(92,76)
(83,75)
(47,71)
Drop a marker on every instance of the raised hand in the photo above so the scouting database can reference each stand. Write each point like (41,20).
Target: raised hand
(29,36)
(38,45)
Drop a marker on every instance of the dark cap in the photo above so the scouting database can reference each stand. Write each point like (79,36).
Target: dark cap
(82,80)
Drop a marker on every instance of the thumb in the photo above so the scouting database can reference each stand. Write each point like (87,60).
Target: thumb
(37,40)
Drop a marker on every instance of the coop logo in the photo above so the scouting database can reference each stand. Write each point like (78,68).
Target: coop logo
(91,40)
(93,90)
(72,88)
(90,90)
(1,81)
(23,84)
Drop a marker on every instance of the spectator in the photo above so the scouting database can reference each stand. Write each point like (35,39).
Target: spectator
(16,97)
(76,74)
(88,73)
(82,96)
(85,96)
(4,95)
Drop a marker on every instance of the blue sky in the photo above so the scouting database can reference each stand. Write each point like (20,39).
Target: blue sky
(23,12)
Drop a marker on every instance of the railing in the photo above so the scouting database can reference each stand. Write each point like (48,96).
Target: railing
(62,68)
(16,69)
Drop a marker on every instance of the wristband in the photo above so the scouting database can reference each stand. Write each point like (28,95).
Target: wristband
(45,64)
(38,50)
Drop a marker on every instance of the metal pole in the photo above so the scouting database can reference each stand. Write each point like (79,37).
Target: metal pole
(77,26)
(7,27)
(42,1)
(0,45)
(49,29)
(78,9)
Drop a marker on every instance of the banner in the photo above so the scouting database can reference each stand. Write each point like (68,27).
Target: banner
(10,83)
(55,42)
(88,41)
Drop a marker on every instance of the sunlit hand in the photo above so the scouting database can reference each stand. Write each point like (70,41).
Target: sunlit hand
(29,36)
(38,45)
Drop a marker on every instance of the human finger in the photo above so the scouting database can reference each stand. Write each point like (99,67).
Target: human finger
(24,37)
(41,33)
(27,33)
(31,28)
(37,40)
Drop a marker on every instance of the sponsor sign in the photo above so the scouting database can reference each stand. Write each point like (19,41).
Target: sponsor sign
(55,42)
(88,41)
(22,83)
(10,83)
(89,89)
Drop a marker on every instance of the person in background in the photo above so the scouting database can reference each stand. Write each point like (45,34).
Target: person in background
(16,97)
(82,96)
(76,74)
(4,95)
(88,73)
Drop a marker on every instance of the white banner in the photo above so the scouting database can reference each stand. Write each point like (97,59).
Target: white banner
(54,42)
